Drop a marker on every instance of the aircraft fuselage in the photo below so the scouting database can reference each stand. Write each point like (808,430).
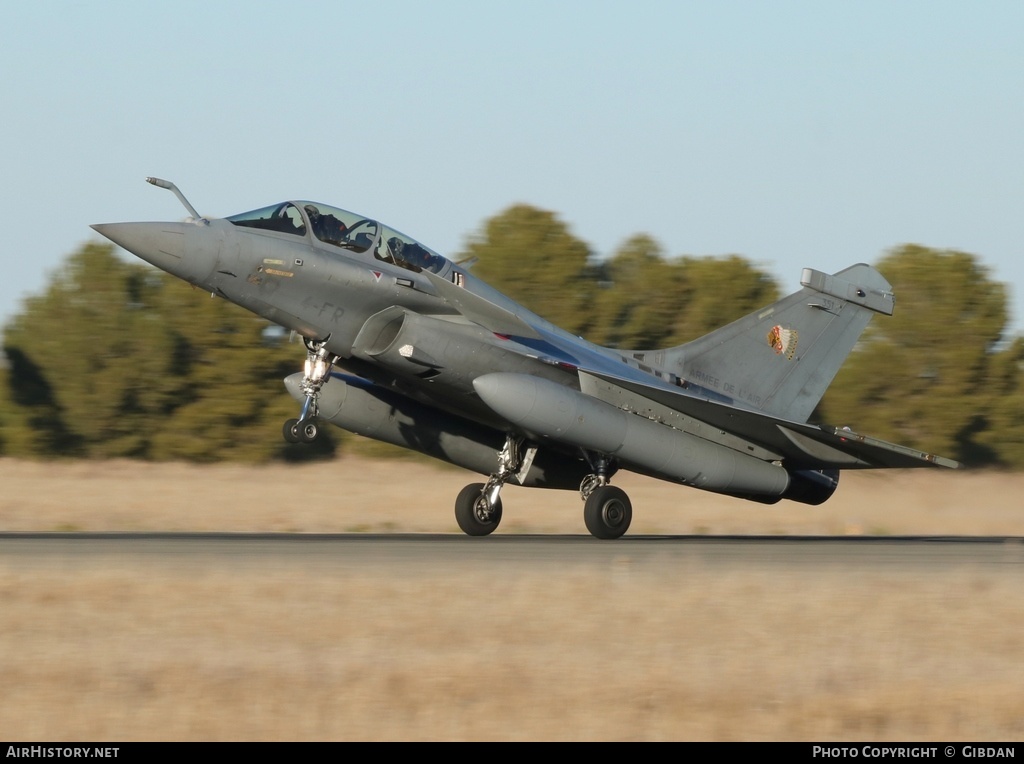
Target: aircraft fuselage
(442,363)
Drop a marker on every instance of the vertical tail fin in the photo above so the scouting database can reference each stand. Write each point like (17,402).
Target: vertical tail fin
(782,358)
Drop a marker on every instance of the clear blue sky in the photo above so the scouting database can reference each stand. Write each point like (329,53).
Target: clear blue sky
(792,133)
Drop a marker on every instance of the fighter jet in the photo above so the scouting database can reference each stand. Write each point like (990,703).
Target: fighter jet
(408,347)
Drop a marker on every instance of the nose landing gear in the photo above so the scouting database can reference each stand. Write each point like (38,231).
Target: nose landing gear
(319,362)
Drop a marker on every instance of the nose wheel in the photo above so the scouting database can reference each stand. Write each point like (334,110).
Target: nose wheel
(301,431)
(319,362)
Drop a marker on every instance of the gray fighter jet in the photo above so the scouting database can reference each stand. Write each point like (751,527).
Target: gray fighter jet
(408,347)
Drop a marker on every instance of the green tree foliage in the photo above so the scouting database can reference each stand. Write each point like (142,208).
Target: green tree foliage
(716,291)
(82,353)
(233,402)
(651,302)
(924,376)
(530,255)
(119,360)
(636,299)
(1003,433)
(640,299)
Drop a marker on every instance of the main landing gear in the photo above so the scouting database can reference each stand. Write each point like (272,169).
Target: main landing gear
(607,510)
(478,505)
(319,362)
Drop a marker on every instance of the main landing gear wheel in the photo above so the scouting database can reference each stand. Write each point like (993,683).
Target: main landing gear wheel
(475,515)
(607,512)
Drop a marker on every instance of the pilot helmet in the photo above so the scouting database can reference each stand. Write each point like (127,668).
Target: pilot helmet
(313,212)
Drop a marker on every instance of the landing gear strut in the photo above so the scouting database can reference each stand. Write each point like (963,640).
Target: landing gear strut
(319,362)
(478,506)
(607,510)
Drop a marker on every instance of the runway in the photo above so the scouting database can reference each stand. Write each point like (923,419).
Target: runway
(211,636)
(393,551)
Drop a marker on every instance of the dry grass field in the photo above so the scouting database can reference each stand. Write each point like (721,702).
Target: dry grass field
(109,648)
(357,494)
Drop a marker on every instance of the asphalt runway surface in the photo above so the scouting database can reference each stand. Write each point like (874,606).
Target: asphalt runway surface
(413,552)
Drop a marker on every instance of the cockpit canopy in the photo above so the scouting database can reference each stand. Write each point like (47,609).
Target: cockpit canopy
(346,230)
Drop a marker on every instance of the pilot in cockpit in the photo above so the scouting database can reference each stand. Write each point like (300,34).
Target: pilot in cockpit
(327,227)
(413,256)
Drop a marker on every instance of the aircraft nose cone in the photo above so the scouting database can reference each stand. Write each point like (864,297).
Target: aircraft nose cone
(162,244)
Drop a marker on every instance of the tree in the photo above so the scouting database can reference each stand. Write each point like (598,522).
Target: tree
(640,299)
(234,402)
(117,359)
(1003,433)
(530,255)
(716,291)
(923,377)
(86,364)
(650,302)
